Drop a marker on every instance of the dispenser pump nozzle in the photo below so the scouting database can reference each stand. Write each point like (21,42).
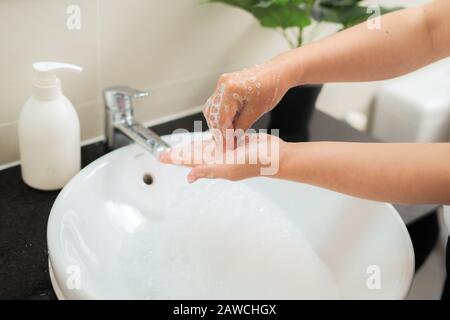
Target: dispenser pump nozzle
(46,86)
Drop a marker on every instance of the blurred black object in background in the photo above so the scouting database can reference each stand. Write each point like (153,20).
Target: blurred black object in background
(293,114)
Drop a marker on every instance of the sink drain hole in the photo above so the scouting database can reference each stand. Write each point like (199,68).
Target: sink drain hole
(148,179)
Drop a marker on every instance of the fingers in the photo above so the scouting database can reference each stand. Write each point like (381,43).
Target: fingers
(220,110)
(196,152)
(222,107)
(170,157)
(228,111)
(183,156)
(209,172)
(241,163)
(244,96)
(245,119)
(164,157)
(233,172)
(201,171)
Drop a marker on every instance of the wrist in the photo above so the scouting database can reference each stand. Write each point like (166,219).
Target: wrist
(295,161)
(292,69)
(284,158)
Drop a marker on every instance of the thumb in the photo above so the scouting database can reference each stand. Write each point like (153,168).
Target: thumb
(246,118)
(209,172)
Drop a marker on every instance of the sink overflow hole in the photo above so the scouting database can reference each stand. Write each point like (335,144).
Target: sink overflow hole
(148,179)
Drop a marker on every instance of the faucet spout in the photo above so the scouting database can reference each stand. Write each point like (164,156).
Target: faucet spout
(120,120)
(144,137)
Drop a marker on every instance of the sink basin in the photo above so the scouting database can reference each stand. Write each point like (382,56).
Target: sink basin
(128,227)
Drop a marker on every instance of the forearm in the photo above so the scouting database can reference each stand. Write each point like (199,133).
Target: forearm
(408,39)
(373,171)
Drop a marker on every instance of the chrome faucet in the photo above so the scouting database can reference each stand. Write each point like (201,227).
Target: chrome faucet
(120,121)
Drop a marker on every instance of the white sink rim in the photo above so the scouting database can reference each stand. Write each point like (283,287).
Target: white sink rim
(409,272)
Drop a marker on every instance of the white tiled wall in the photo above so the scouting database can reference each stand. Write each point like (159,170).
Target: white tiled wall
(176,49)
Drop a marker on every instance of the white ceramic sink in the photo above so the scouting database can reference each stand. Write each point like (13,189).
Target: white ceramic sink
(112,236)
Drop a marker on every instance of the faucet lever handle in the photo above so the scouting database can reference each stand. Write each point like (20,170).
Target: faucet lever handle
(140,94)
(120,97)
(125,91)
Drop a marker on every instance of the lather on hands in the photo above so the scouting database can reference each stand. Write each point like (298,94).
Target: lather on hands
(256,154)
(244,96)
(240,98)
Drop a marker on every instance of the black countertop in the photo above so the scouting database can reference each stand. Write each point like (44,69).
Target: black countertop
(24,212)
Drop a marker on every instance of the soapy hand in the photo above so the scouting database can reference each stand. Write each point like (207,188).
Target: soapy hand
(242,97)
(256,154)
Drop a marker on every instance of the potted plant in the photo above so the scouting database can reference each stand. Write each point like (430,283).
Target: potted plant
(292,115)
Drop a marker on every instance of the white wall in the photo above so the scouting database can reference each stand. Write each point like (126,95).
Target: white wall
(175,49)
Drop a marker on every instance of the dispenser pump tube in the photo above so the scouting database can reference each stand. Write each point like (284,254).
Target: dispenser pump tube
(46,86)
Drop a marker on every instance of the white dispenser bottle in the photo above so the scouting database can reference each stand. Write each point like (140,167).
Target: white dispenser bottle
(49,131)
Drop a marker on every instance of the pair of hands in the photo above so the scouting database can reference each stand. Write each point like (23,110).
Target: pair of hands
(256,154)
(240,98)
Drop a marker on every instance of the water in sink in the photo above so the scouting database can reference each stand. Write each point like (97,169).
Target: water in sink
(234,244)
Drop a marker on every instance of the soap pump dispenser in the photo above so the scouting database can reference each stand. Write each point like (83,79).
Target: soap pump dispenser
(49,131)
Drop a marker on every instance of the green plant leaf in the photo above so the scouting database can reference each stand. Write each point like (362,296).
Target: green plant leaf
(344,12)
(286,14)
(276,13)
(337,3)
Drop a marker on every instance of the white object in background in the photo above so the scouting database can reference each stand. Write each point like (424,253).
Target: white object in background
(49,131)
(447,218)
(356,119)
(414,108)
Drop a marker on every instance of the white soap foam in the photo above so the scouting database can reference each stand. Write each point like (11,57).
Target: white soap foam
(222,241)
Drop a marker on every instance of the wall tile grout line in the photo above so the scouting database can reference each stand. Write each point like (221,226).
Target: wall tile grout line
(10,123)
